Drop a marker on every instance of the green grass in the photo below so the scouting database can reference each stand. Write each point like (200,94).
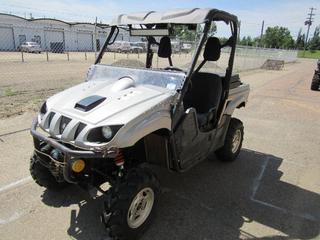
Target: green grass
(309,54)
(9,92)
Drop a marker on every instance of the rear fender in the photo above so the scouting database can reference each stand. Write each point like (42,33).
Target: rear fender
(237,98)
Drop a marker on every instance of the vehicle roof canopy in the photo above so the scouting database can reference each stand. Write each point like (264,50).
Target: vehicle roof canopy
(177,16)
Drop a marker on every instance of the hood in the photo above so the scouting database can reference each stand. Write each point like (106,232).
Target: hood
(94,102)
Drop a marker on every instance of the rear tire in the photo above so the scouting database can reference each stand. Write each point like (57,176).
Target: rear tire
(42,176)
(315,84)
(130,205)
(233,142)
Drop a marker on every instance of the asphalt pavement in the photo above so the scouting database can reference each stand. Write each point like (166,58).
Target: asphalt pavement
(272,191)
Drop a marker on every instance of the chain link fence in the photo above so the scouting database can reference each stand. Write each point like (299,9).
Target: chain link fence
(249,58)
(41,57)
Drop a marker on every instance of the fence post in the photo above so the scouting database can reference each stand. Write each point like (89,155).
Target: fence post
(138,54)
(22,58)
(85,56)
(68,56)
(127,55)
(47,56)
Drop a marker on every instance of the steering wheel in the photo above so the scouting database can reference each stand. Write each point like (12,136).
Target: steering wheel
(171,68)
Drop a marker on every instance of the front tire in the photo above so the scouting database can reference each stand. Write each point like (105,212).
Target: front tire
(42,176)
(233,141)
(129,207)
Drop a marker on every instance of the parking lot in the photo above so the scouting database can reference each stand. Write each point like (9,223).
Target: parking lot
(271,192)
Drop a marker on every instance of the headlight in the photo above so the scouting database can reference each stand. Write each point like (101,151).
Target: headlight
(106,132)
(103,134)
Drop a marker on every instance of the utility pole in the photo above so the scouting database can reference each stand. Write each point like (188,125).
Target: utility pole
(95,38)
(261,34)
(308,22)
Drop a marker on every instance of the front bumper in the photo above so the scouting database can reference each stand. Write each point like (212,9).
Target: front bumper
(68,154)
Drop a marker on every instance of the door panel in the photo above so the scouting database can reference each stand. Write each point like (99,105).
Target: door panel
(192,145)
(6,39)
(84,41)
(54,40)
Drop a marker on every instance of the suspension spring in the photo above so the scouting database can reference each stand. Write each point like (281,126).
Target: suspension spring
(119,159)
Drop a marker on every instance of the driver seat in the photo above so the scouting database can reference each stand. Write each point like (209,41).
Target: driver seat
(205,91)
(164,49)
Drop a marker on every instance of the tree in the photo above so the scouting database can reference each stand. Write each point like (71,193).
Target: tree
(249,41)
(300,40)
(186,34)
(314,43)
(278,37)
(246,41)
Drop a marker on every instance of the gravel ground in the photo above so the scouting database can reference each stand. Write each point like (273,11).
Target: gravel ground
(271,192)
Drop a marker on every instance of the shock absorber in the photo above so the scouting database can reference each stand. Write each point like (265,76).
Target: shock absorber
(119,160)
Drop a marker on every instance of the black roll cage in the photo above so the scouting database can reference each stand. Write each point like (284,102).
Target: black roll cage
(208,22)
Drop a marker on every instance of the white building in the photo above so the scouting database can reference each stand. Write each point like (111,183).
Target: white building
(51,34)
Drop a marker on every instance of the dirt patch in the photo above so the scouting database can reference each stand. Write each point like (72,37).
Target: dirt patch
(24,86)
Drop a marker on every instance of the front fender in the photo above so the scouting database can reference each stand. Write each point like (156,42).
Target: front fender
(147,124)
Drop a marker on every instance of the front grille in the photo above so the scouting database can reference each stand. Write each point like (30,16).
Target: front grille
(50,117)
(63,127)
(63,123)
(80,127)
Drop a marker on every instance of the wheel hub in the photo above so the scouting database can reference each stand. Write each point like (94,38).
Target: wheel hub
(236,141)
(140,208)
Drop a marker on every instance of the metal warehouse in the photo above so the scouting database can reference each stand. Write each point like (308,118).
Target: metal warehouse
(51,34)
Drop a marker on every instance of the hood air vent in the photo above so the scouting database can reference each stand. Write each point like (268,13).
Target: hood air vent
(89,103)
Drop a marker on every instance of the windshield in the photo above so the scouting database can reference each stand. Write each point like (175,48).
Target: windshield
(131,51)
(111,74)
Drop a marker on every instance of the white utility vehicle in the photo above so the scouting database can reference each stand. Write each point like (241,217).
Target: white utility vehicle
(315,83)
(171,111)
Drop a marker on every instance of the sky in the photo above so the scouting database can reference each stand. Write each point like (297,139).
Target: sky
(288,13)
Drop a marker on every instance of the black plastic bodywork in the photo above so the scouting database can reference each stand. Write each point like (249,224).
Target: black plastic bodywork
(192,145)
